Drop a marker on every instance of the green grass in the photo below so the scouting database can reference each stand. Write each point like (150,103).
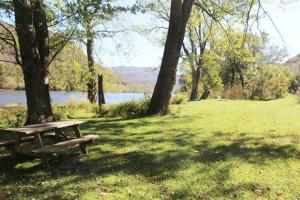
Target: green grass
(213,149)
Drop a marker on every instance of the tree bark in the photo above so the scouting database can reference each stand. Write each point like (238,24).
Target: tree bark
(91,63)
(205,93)
(101,99)
(180,12)
(195,83)
(33,36)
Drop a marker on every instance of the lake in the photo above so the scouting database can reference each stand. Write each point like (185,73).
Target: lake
(13,97)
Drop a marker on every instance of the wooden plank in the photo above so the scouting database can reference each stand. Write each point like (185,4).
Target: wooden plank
(37,128)
(48,149)
(13,141)
(22,140)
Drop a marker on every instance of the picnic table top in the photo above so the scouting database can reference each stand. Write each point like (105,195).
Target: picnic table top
(37,128)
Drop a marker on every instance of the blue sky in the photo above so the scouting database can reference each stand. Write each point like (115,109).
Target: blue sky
(144,52)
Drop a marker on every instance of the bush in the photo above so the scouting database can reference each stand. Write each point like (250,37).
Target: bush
(71,107)
(266,82)
(295,84)
(16,115)
(179,98)
(234,92)
(126,109)
(12,115)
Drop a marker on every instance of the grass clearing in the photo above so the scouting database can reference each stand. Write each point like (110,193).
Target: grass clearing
(213,149)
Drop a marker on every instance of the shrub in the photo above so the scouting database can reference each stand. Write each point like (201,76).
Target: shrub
(16,115)
(295,84)
(12,115)
(179,98)
(266,82)
(126,109)
(71,107)
(234,92)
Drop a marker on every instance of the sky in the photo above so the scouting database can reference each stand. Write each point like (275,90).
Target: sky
(144,52)
(287,20)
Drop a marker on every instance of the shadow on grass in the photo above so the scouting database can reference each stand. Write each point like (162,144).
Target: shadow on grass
(254,150)
(149,161)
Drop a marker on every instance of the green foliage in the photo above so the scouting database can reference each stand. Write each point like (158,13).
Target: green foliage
(72,107)
(126,109)
(12,115)
(210,77)
(210,74)
(11,76)
(238,55)
(295,84)
(179,98)
(266,82)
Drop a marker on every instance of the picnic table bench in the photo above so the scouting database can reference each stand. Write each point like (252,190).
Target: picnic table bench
(29,139)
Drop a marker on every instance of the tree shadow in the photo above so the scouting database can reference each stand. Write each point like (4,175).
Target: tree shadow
(249,149)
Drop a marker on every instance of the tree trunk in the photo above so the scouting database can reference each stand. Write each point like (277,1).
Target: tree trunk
(32,31)
(91,64)
(179,15)
(195,83)
(232,77)
(205,93)
(101,99)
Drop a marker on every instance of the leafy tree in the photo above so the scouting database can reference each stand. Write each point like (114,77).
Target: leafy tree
(198,34)
(210,75)
(179,15)
(238,56)
(90,17)
(266,82)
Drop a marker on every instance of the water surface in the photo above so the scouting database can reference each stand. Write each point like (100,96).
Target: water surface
(13,97)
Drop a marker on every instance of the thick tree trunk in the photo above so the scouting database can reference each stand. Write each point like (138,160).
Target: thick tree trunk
(180,12)
(91,64)
(32,31)
(195,83)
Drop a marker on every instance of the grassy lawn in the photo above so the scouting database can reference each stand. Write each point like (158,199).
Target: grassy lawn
(213,149)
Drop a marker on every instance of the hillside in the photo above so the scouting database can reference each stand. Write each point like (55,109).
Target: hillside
(294,63)
(139,76)
(68,72)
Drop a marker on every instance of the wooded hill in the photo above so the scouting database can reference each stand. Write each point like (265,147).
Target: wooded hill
(294,63)
(145,76)
(69,72)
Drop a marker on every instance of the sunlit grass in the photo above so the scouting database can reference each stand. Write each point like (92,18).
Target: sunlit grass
(213,149)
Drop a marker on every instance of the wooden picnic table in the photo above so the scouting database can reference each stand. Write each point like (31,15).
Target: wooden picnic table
(29,139)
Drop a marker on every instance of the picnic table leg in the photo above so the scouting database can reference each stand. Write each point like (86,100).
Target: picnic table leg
(15,149)
(39,143)
(79,135)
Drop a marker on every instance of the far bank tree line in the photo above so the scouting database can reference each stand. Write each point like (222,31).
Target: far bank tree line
(35,49)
